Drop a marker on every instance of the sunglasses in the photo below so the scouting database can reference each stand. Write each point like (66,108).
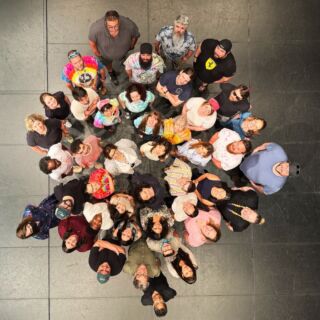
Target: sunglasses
(235,96)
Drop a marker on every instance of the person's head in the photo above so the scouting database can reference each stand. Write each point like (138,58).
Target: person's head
(211,231)
(204,149)
(103,272)
(48,100)
(282,168)
(190,209)
(136,92)
(145,57)
(205,109)
(251,216)
(222,49)
(144,193)
(239,147)
(141,278)
(161,148)
(80,95)
(239,93)
(159,305)
(151,120)
(96,222)
(157,227)
(180,25)
(112,22)
(221,191)
(107,110)
(35,122)
(27,228)
(184,76)
(188,186)
(47,165)
(252,126)
(180,123)
(92,187)
(70,242)
(76,60)
(126,236)
(78,147)
(109,150)
(184,267)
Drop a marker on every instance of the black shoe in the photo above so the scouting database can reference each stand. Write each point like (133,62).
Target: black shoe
(114,78)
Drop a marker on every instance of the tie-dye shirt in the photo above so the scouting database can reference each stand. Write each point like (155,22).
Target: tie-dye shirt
(85,77)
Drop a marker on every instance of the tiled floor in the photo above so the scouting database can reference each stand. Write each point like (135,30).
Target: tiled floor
(269,272)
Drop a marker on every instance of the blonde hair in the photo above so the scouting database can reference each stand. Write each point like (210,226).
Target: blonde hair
(29,120)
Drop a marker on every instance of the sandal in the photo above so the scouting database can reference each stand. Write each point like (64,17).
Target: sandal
(203,87)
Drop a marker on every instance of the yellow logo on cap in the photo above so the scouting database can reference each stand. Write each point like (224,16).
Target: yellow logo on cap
(210,64)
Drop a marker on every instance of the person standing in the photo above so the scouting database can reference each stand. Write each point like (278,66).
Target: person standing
(110,39)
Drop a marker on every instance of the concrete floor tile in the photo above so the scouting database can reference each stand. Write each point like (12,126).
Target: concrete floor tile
(30,266)
(21,163)
(24,309)
(11,209)
(22,58)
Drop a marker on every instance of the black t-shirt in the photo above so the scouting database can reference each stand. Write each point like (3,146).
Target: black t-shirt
(168,80)
(244,198)
(116,262)
(59,113)
(53,135)
(230,108)
(161,285)
(76,189)
(210,69)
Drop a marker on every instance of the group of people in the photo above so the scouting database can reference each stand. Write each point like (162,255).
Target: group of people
(167,103)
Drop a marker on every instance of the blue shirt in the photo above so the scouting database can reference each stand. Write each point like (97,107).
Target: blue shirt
(258,168)
(235,124)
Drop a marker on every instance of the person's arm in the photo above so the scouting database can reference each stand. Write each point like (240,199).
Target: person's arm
(207,175)
(157,47)
(94,48)
(214,138)
(92,107)
(257,187)
(39,150)
(102,244)
(64,128)
(196,128)
(197,53)
(223,80)
(67,100)
(129,73)
(161,89)
(102,72)
(217,163)
(174,99)
(133,42)
(261,147)
(187,55)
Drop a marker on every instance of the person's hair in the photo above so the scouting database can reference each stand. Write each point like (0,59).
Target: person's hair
(43,95)
(136,87)
(43,165)
(195,212)
(155,236)
(181,119)
(107,148)
(22,228)
(207,102)
(191,187)
(29,120)
(223,185)
(161,312)
(181,255)
(244,91)
(141,286)
(247,145)
(78,93)
(216,227)
(259,219)
(66,235)
(136,194)
(75,145)
(106,107)
(123,226)
(115,215)
(156,128)
(251,133)
(189,71)
(207,145)
(73,51)
(162,142)
(111,15)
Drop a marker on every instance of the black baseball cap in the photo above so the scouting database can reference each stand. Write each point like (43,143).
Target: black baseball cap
(226,45)
(294,169)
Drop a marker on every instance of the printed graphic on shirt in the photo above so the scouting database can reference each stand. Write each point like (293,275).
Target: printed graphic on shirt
(210,64)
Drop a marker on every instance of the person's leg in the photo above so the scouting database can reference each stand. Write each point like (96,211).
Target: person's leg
(108,65)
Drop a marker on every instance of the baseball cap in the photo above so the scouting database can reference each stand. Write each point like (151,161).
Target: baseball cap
(226,45)
(103,278)
(214,104)
(294,169)
(62,213)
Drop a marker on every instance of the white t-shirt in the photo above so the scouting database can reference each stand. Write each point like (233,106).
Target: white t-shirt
(194,119)
(228,160)
(65,157)
(90,210)
(177,205)
(78,109)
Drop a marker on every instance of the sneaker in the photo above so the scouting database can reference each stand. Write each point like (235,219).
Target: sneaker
(114,78)
(103,91)
(127,115)
(77,169)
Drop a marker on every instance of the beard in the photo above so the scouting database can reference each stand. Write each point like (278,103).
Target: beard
(145,64)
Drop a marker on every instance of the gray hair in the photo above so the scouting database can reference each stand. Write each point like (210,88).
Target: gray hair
(182,19)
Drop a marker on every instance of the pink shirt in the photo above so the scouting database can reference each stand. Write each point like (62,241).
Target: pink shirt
(89,159)
(196,238)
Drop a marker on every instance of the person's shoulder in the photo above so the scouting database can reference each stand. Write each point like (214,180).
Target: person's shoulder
(165,30)
(127,22)
(210,42)
(98,25)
